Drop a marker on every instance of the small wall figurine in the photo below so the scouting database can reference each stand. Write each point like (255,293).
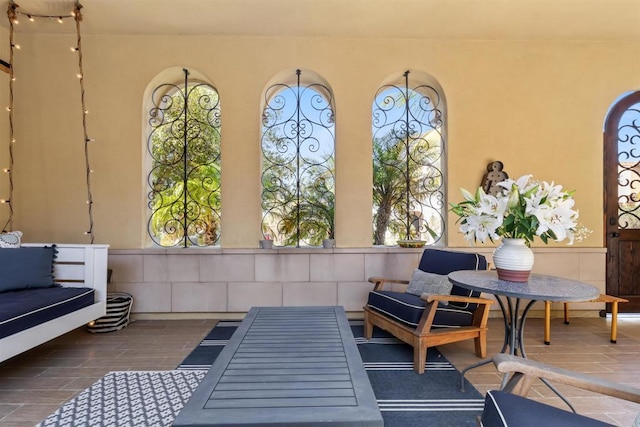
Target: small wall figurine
(494,175)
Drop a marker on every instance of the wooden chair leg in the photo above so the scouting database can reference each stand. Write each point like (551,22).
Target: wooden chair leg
(566,313)
(547,322)
(368,327)
(614,322)
(481,345)
(419,357)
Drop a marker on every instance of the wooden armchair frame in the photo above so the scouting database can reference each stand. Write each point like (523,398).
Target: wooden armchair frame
(525,371)
(423,336)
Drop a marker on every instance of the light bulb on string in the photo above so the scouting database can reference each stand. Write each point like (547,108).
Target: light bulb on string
(8,108)
(6,170)
(15,46)
(60,19)
(73,49)
(4,200)
(79,75)
(31,18)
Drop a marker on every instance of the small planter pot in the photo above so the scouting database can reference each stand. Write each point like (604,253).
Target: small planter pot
(328,243)
(266,244)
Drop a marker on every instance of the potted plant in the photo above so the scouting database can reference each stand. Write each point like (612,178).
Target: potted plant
(520,211)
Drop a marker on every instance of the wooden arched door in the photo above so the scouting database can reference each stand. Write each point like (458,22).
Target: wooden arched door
(622,200)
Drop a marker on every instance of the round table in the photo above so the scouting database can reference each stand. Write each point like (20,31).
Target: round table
(510,295)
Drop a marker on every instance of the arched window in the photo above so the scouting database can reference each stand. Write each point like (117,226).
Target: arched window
(298,163)
(409,139)
(184,148)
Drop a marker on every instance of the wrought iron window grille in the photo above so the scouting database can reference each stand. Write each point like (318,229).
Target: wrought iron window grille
(298,163)
(408,162)
(184,181)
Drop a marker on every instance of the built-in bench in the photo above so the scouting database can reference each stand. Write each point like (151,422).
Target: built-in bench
(286,366)
(30,316)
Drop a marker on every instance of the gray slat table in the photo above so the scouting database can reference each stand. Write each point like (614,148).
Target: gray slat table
(286,366)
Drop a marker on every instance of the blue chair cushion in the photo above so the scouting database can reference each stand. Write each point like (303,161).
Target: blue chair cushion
(503,409)
(444,262)
(408,308)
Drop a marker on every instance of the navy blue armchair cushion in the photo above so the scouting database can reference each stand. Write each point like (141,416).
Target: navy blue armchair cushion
(502,409)
(26,267)
(408,308)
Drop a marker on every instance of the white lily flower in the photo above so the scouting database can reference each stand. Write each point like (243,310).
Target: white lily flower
(484,214)
(467,195)
(481,228)
(492,205)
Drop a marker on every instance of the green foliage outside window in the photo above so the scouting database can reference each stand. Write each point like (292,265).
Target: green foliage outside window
(184,182)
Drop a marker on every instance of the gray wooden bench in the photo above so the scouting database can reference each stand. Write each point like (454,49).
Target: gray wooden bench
(286,366)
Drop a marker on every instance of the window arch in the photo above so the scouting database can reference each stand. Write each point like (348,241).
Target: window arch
(183,145)
(409,140)
(298,161)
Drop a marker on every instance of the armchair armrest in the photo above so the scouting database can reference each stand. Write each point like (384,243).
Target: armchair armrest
(380,281)
(526,370)
(456,298)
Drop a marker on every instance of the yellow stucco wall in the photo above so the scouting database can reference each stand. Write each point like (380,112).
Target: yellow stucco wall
(538,106)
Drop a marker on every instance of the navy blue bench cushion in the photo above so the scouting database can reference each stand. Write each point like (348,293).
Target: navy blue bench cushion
(503,409)
(20,310)
(408,309)
(26,267)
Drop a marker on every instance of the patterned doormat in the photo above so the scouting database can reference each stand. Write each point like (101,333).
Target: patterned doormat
(137,399)
(129,399)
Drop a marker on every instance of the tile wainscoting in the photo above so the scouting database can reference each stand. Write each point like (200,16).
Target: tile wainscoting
(226,283)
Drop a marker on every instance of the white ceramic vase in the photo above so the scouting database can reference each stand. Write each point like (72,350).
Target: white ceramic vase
(513,260)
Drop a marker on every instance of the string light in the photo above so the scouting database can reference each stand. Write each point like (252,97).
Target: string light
(12,14)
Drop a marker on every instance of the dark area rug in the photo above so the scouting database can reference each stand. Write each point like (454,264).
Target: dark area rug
(404,397)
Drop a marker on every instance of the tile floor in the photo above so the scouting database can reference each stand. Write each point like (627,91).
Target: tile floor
(37,382)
